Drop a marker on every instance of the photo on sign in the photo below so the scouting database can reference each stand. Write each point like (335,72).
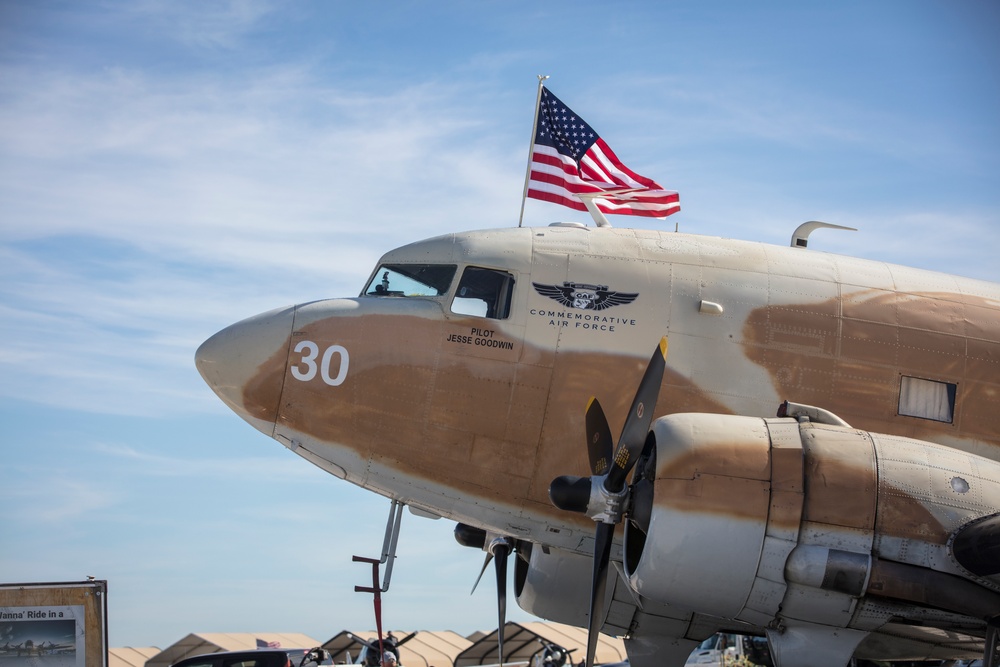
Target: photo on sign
(43,642)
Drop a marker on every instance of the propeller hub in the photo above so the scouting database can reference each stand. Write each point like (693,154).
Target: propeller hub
(500,546)
(590,496)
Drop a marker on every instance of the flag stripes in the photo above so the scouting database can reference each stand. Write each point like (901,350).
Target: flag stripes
(569,159)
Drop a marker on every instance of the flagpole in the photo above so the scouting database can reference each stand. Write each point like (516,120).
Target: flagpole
(531,146)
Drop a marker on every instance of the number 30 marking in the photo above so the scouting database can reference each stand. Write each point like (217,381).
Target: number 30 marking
(310,351)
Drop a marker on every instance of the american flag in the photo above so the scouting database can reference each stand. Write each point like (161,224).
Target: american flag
(568,157)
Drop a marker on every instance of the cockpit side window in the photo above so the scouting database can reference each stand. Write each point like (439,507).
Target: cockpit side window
(411,280)
(484,293)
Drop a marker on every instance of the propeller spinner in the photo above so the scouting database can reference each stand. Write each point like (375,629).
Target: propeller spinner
(602,496)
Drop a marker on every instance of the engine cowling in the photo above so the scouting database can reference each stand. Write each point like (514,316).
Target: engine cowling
(554,584)
(707,513)
(743,517)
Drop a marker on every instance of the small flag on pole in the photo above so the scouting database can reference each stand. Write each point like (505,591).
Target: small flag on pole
(569,159)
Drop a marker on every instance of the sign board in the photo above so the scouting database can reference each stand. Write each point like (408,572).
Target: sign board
(54,624)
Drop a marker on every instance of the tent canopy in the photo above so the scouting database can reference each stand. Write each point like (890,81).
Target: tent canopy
(424,649)
(130,657)
(213,642)
(523,641)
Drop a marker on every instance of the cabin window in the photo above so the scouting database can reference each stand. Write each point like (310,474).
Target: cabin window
(411,280)
(927,399)
(484,293)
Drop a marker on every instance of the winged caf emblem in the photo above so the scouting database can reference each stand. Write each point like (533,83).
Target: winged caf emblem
(585,297)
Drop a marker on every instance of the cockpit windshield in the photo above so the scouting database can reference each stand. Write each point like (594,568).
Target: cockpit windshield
(411,280)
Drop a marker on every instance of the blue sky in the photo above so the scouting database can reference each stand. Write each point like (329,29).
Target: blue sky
(167,168)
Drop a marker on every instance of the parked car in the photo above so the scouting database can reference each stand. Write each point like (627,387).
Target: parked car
(261,657)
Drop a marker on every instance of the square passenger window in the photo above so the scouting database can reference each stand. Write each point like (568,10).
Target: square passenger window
(927,399)
(484,293)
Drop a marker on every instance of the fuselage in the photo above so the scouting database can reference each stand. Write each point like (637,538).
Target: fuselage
(457,381)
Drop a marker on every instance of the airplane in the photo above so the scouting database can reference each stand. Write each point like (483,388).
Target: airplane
(555,656)
(29,647)
(810,453)
(52,647)
(371,653)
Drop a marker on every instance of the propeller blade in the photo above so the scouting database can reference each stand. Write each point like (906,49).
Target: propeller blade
(502,551)
(576,493)
(486,563)
(639,418)
(602,555)
(599,444)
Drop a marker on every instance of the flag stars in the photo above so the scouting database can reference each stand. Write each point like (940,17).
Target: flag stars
(561,128)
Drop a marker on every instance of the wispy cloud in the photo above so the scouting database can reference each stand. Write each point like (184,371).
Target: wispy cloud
(62,499)
(183,202)
(249,470)
(221,24)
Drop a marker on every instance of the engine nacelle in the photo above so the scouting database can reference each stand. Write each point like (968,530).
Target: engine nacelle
(806,518)
(554,585)
(709,514)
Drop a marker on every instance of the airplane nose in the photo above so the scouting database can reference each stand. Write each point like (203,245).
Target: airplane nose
(245,365)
